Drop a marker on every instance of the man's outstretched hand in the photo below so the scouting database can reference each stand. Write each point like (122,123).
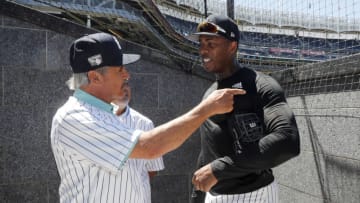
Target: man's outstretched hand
(221,101)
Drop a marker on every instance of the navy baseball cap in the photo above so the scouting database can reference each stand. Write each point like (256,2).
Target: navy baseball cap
(97,50)
(217,25)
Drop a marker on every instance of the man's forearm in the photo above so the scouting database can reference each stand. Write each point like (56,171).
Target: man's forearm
(265,157)
(172,134)
(169,136)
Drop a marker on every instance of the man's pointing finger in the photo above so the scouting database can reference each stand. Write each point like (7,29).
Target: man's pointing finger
(236,91)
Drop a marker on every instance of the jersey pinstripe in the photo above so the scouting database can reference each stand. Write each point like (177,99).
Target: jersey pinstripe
(91,149)
(267,194)
(134,120)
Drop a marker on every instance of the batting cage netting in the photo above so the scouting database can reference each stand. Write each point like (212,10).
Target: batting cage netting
(309,46)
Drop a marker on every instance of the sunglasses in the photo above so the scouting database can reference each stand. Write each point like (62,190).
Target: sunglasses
(210,27)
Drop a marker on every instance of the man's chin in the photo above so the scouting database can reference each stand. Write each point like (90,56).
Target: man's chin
(121,103)
(210,69)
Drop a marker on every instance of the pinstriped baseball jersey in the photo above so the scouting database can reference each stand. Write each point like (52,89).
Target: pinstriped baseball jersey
(267,194)
(134,120)
(91,147)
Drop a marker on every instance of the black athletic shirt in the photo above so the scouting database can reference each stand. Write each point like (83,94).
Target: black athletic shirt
(249,169)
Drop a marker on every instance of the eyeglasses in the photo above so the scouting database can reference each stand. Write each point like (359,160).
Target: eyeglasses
(210,27)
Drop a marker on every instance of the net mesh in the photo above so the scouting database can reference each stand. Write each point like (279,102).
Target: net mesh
(309,46)
(295,32)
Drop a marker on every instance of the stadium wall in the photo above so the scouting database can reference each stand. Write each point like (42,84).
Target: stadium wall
(328,168)
(34,67)
(325,99)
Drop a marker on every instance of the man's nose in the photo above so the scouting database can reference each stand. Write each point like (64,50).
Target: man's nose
(125,73)
(202,50)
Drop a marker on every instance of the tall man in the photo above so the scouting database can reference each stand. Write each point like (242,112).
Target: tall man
(91,146)
(132,119)
(238,149)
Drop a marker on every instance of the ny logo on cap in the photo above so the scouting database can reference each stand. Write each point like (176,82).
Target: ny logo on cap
(95,60)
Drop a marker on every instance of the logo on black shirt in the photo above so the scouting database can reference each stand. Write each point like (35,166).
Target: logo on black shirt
(237,85)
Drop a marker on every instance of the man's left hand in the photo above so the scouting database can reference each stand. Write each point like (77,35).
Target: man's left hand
(204,178)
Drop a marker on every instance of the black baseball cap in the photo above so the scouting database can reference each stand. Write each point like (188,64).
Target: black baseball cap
(217,25)
(98,50)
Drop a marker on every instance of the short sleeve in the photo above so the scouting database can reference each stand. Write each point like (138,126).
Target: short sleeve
(102,143)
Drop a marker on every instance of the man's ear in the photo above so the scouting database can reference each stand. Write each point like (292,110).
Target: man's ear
(95,77)
(233,46)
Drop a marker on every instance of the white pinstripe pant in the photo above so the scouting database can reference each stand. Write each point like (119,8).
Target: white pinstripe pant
(267,194)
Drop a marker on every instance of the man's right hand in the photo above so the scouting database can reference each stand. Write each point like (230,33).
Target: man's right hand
(221,101)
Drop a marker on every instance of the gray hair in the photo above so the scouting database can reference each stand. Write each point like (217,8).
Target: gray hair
(79,79)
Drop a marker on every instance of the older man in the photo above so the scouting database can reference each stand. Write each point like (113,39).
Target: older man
(91,146)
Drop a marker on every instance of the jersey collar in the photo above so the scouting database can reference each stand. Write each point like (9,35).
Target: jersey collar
(88,98)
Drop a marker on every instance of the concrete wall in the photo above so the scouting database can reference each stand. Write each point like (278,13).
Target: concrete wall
(33,69)
(328,169)
(325,98)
